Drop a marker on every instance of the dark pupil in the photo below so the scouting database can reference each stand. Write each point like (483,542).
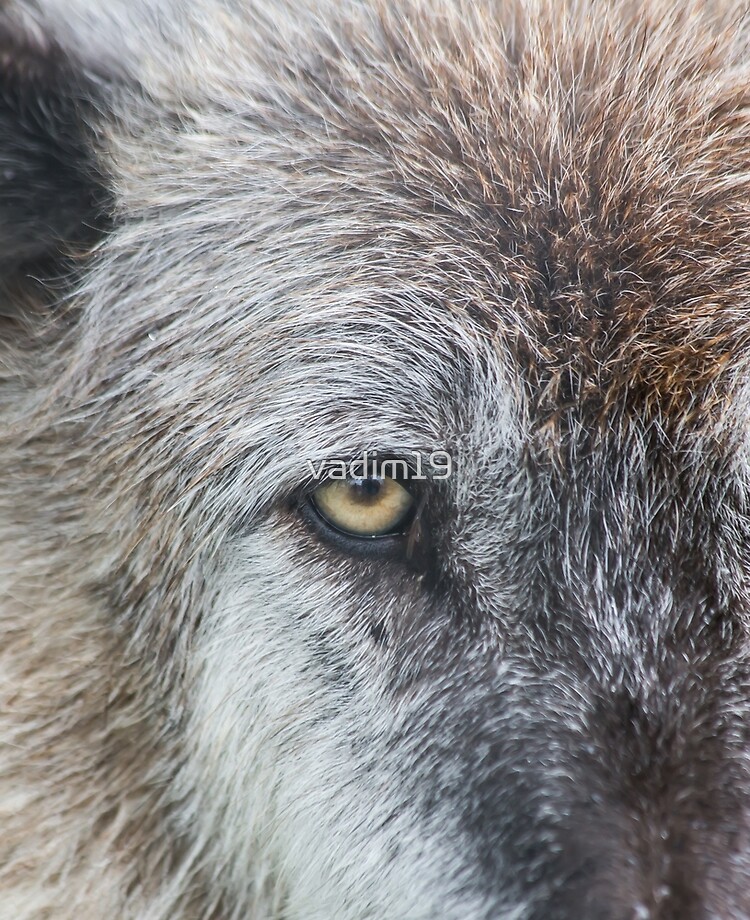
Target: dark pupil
(366,490)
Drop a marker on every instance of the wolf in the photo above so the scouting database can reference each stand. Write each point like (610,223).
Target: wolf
(243,239)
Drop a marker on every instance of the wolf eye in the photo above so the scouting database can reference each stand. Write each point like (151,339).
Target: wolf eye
(368,507)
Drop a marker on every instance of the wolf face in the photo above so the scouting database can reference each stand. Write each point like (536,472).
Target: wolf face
(244,239)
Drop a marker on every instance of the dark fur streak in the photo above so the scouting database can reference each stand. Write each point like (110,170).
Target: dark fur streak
(54,196)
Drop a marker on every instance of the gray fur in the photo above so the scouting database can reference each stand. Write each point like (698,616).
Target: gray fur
(515,231)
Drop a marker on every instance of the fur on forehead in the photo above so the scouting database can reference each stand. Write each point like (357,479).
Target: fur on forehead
(499,198)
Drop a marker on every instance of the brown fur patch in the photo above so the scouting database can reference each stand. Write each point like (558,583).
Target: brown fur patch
(591,174)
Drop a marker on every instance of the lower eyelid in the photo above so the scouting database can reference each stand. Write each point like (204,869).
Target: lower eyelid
(386,546)
(331,521)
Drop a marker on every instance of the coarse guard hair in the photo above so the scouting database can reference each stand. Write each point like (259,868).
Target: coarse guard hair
(244,241)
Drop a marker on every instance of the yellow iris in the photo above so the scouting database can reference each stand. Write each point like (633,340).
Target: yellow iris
(368,507)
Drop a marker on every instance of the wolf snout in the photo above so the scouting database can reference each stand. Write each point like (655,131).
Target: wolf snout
(615,802)
(647,819)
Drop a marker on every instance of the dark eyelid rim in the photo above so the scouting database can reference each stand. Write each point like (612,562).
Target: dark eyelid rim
(378,546)
(397,546)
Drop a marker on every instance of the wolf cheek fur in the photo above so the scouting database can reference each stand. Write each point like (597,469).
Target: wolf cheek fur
(239,237)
